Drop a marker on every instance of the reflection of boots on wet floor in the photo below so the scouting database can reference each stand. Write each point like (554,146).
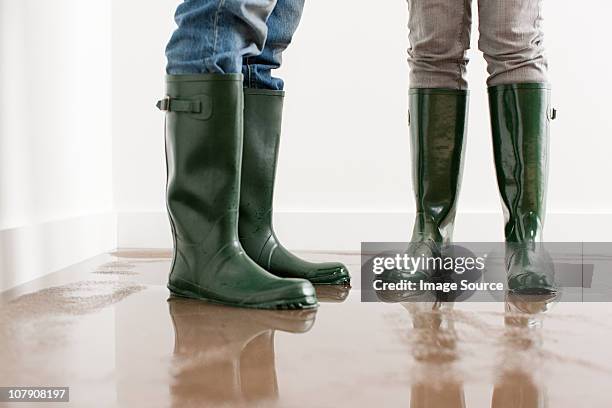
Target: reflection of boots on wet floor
(517,390)
(226,355)
(332,293)
(516,387)
(434,349)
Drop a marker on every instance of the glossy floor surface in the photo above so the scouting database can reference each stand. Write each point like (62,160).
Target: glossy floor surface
(108,330)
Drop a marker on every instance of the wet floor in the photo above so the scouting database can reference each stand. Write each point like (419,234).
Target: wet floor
(108,330)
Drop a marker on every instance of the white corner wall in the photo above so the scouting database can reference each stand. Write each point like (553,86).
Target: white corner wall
(55,141)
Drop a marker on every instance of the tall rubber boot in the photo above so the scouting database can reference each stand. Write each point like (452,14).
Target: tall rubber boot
(263,111)
(438,124)
(520,116)
(203,155)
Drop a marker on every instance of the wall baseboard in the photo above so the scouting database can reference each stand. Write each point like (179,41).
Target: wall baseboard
(346,231)
(30,252)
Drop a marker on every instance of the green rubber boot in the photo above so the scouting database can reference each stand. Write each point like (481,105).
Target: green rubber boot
(438,124)
(262,127)
(203,156)
(520,116)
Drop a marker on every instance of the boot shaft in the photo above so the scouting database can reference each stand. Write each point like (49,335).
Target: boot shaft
(520,116)
(262,118)
(438,123)
(204,148)
(263,111)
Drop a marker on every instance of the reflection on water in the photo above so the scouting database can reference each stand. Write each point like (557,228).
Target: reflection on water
(521,348)
(225,355)
(332,293)
(434,348)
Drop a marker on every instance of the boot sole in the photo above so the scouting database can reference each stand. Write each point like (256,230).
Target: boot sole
(300,303)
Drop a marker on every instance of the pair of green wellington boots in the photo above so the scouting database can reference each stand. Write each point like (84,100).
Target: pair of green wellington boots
(221,153)
(520,116)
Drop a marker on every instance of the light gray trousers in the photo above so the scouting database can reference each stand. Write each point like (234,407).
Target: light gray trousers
(511,40)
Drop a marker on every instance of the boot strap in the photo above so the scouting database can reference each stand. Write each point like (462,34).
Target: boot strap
(169,104)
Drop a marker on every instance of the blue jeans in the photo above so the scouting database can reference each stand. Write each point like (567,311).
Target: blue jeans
(233,36)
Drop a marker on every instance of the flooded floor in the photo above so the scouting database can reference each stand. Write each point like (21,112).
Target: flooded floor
(108,330)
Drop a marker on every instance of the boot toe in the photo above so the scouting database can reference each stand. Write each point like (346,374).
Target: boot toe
(285,294)
(398,276)
(331,273)
(531,284)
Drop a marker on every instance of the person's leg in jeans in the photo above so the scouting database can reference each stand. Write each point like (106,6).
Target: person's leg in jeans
(214,36)
(512,41)
(439,39)
(263,106)
(204,143)
(282,24)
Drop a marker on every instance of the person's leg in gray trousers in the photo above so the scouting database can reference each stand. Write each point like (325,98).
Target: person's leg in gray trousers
(511,40)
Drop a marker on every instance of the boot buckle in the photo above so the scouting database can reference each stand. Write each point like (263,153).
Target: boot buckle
(164,104)
(198,106)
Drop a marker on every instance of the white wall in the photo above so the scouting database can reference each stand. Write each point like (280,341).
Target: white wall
(345,146)
(138,43)
(55,144)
